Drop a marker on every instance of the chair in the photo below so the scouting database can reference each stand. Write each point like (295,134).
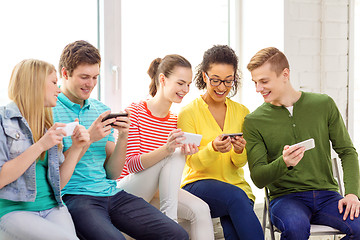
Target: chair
(315,230)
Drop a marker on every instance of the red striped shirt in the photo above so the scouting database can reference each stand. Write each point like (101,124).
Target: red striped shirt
(146,134)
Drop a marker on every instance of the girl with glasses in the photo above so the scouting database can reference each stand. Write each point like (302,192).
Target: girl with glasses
(155,155)
(215,173)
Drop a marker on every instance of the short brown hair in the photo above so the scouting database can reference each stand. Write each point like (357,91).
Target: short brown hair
(272,55)
(77,53)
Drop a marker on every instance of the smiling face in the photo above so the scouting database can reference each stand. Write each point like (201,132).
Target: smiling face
(217,94)
(272,87)
(79,86)
(177,85)
(51,90)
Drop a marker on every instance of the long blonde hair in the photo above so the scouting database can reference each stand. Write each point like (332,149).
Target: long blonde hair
(27,90)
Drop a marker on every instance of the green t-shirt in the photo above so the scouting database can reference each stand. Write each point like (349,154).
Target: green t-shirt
(45,198)
(269,128)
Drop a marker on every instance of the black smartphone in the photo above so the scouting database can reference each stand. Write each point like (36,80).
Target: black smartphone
(114,115)
(232,135)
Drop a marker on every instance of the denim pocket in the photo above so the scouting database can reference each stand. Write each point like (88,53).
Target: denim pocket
(17,142)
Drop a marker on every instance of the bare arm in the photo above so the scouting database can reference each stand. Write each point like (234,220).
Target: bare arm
(116,154)
(80,144)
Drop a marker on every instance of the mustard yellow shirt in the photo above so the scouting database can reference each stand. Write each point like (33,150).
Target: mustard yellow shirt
(207,163)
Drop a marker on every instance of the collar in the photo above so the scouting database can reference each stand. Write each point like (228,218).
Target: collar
(295,103)
(202,101)
(66,101)
(12,110)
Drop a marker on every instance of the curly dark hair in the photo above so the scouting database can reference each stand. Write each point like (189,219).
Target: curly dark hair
(77,53)
(218,54)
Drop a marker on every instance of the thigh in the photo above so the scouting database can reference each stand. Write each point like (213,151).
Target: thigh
(191,206)
(32,226)
(170,177)
(61,217)
(291,216)
(91,217)
(143,184)
(328,214)
(140,220)
(197,212)
(216,194)
(232,205)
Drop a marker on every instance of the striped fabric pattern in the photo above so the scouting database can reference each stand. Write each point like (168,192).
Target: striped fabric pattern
(89,176)
(146,134)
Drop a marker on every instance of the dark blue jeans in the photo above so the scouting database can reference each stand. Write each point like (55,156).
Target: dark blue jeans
(104,217)
(232,205)
(293,213)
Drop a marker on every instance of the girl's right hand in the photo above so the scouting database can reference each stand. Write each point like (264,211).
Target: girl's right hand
(174,140)
(222,145)
(52,136)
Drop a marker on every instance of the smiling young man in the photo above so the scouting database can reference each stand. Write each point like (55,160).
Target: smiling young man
(98,208)
(302,188)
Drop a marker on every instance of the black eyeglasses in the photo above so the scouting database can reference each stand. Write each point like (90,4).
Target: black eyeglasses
(216,82)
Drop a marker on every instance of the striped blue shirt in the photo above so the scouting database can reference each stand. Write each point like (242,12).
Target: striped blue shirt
(89,177)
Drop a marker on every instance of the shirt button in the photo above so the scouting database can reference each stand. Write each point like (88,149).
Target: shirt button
(17,135)
(294,125)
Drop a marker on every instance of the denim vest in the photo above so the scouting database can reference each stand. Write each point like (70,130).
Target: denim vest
(15,138)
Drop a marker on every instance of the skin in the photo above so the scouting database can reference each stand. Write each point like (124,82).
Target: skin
(277,90)
(172,89)
(80,84)
(78,88)
(215,98)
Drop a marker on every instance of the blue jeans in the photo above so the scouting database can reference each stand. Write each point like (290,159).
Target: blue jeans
(293,213)
(104,217)
(54,223)
(232,205)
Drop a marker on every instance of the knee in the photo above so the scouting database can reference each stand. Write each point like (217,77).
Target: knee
(293,228)
(199,210)
(179,233)
(354,231)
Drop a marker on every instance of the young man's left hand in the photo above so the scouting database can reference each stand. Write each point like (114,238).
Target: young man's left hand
(352,206)
(122,124)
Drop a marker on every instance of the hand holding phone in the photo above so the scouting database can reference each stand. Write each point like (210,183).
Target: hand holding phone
(191,138)
(308,144)
(231,135)
(114,115)
(69,128)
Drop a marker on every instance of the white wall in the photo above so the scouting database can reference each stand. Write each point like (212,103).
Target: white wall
(316,43)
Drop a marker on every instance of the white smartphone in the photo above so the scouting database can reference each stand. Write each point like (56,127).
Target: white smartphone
(308,144)
(69,128)
(192,138)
